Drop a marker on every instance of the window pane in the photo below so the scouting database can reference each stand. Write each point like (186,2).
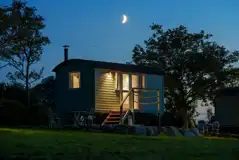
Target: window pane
(125,82)
(135,81)
(74,80)
(135,84)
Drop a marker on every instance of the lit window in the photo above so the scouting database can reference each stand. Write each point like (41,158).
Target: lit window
(74,79)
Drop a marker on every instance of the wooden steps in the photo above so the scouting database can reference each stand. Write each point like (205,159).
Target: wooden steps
(113,118)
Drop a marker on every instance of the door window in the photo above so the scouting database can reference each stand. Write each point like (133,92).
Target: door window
(135,84)
(125,82)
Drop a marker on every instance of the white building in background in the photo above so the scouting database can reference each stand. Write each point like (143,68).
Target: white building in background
(202,110)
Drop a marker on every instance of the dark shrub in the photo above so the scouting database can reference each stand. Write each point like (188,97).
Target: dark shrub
(100,117)
(37,115)
(147,119)
(108,129)
(229,129)
(12,112)
(169,119)
(178,122)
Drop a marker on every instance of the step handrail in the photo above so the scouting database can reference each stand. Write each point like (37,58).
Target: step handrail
(132,90)
(121,106)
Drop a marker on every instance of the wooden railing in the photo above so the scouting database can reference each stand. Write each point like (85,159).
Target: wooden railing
(130,95)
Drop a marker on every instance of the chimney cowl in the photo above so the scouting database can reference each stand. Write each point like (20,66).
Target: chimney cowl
(66,52)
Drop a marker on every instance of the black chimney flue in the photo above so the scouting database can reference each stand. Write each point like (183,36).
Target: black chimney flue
(65,52)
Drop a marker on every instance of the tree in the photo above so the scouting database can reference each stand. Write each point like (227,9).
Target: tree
(25,44)
(9,21)
(4,25)
(194,66)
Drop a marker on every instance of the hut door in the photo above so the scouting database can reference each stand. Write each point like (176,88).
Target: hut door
(135,84)
(125,89)
(129,81)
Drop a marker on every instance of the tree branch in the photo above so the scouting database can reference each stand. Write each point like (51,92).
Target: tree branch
(5,65)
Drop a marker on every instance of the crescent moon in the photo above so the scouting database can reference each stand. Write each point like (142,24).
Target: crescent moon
(125,19)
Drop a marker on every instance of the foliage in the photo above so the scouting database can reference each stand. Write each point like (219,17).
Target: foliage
(194,66)
(25,44)
(70,145)
(14,113)
(11,112)
(146,119)
(169,119)
(15,93)
(9,22)
(44,92)
(38,115)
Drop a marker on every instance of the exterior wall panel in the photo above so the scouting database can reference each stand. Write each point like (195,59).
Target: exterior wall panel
(154,82)
(105,96)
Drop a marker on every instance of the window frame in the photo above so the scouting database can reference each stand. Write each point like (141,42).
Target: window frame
(70,80)
(143,81)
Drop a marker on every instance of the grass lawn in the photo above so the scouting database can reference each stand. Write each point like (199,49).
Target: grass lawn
(75,145)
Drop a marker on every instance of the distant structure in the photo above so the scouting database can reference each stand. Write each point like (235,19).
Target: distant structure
(226,108)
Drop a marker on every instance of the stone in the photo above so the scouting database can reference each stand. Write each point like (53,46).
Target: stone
(156,131)
(161,130)
(152,131)
(172,131)
(176,131)
(149,131)
(140,130)
(195,131)
(121,129)
(108,128)
(131,129)
(188,133)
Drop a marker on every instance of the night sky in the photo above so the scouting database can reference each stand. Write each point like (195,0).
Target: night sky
(94,31)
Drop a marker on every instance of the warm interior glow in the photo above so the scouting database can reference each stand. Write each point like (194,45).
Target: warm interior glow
(135,81)
(109,75)
(125,88)
(125,82)
(135,84)
(74,80)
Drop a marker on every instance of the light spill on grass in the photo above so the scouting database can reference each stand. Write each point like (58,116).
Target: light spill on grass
(225,138)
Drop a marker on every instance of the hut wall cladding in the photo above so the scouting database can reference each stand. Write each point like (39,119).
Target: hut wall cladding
(105,95)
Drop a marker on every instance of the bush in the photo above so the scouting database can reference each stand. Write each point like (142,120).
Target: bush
(169,119)
(100,117)
(147,119)
(37,115)
(12,112)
